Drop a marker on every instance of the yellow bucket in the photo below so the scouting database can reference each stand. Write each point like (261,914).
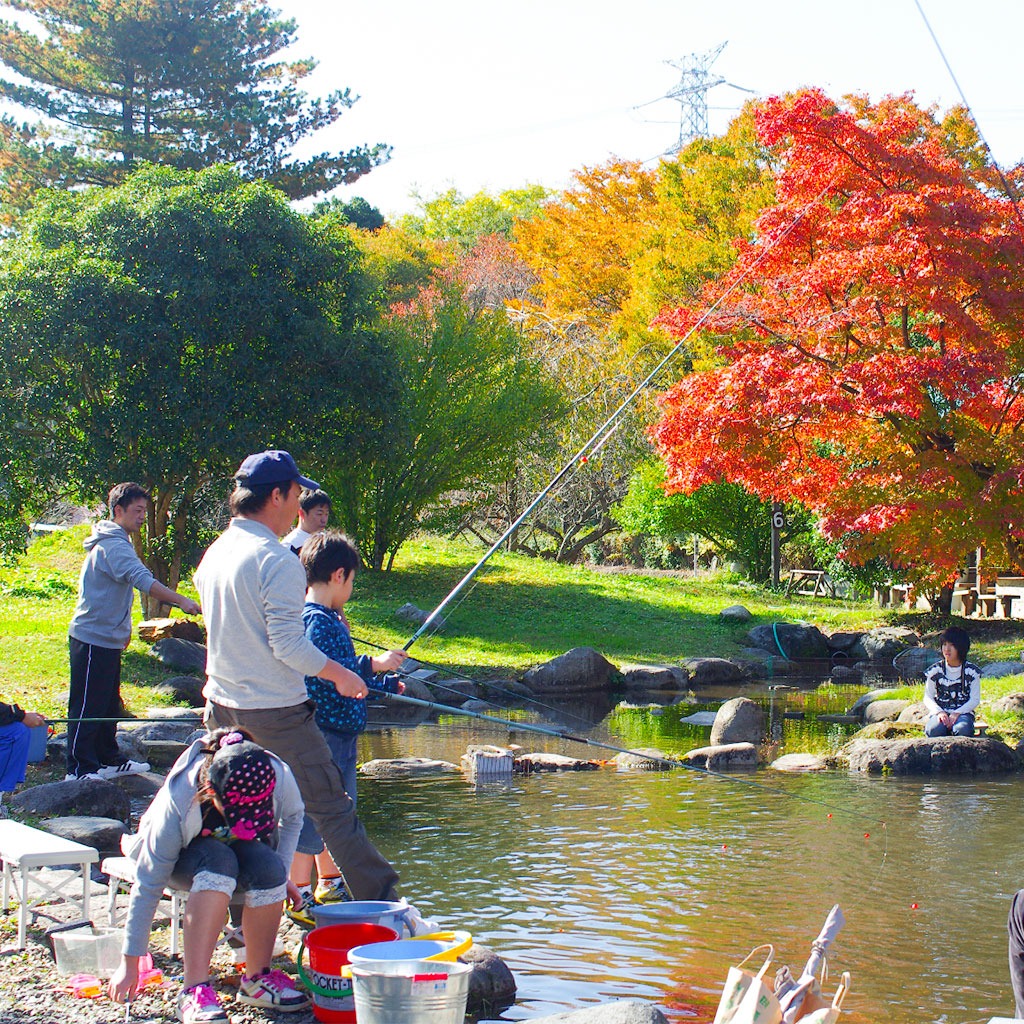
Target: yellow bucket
(459,941)
(445,947)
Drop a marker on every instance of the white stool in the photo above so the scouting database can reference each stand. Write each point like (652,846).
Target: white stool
(121,871)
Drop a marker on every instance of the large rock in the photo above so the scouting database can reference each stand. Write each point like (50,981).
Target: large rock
(914,714)
(384,711)
(541,761)
(88,797)
(395,767)
(624,1011)
(491,985)
(884,710)
(1001,669)
(843,642)
(952,755)
(647,759)
(166,730)
(1012,702)
(723,756)
(859,705)
(655,677)
(800,763)
(914,661)
(759,664)
(184,690)
(888,731)
(418,617)
(739,720)
(713,671)
(884,643)
(454,692)
(735,613)
(795,641)
(184,655)
(576,671)
(103,834)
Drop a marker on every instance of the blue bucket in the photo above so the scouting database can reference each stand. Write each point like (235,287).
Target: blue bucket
(388,913)
(37,736)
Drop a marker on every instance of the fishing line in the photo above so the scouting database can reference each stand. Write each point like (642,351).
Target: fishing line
(662,759)
(609,424)
(461,677)
(970,110)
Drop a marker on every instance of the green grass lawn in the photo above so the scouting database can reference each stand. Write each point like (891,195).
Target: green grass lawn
(519,612)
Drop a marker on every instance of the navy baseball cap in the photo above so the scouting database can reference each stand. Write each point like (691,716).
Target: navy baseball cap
(272,467)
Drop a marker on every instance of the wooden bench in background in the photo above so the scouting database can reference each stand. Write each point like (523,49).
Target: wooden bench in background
(810,583)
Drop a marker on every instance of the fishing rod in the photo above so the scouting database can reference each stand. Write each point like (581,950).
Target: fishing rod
(608,427)
(128,718)
(673,762)
(462,677)
(970,110)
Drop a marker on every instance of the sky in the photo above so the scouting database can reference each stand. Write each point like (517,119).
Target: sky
(481,94)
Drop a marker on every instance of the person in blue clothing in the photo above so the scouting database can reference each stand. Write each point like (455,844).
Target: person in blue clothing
(14,740)
(330,560)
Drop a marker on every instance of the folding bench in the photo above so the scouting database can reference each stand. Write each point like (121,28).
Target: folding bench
(29,850)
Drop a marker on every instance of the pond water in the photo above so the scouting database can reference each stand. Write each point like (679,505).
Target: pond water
(626,884)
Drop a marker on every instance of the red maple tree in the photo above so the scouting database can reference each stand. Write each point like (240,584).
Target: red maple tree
(870,339)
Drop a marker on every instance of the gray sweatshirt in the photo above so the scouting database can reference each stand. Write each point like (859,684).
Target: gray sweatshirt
(111,573)
(173,820)
(252,589)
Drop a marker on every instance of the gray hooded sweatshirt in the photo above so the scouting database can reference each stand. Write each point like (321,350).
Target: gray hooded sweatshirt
(111,572)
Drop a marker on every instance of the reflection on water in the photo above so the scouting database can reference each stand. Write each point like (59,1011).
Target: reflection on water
(625,884)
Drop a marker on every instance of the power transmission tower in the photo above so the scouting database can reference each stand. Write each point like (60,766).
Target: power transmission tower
(692,95)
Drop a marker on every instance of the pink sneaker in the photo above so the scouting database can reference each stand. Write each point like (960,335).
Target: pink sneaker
(200,1005)
(273,990)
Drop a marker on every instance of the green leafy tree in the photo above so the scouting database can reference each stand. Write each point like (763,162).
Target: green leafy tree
(453,217)
(464,396)
(163,329)
(356,211)
(737,522)
(188,83)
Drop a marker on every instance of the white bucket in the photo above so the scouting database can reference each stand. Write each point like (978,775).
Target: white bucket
(411,992)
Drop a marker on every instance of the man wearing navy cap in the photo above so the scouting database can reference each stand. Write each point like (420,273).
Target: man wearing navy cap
(252,589)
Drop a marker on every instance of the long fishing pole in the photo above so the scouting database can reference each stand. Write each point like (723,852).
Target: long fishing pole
(562,734)
(600,436)
(462,677)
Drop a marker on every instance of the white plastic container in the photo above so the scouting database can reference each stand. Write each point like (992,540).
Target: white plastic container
(487,761)
(88,950)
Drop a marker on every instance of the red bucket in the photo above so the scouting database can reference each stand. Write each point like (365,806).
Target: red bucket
(328,954)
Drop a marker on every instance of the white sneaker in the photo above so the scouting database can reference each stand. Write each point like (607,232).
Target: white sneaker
(78,778)
(116,771)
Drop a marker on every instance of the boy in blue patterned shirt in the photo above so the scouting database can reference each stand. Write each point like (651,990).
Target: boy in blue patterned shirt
(330,560)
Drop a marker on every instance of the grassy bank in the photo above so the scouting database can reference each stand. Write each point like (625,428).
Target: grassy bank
(519,612)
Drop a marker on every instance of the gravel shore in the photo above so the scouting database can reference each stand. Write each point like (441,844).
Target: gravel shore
(33,992)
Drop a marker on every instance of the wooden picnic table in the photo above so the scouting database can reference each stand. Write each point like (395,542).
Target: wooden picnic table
(810,583)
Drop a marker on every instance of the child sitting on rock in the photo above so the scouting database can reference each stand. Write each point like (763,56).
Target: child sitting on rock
(952,687)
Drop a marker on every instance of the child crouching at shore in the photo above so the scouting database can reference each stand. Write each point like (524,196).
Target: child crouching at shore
(227,817)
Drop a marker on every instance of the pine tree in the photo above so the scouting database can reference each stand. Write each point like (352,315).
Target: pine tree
(187,83)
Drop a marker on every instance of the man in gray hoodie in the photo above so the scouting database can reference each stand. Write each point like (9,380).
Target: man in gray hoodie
(101,628)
